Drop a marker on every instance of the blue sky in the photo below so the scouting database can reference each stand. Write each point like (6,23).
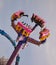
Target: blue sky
(31,55)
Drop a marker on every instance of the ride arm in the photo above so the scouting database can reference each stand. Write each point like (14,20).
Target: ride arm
(33,41)
(34,27)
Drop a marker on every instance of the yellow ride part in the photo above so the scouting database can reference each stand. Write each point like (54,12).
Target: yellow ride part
(24,32)
(44,37)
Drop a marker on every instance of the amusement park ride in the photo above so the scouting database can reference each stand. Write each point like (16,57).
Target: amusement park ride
(23,32)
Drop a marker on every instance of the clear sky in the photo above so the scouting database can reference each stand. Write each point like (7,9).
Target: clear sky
(32,55)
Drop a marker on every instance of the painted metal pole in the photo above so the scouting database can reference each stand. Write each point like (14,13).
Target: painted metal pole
(2,32)
(14,54)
